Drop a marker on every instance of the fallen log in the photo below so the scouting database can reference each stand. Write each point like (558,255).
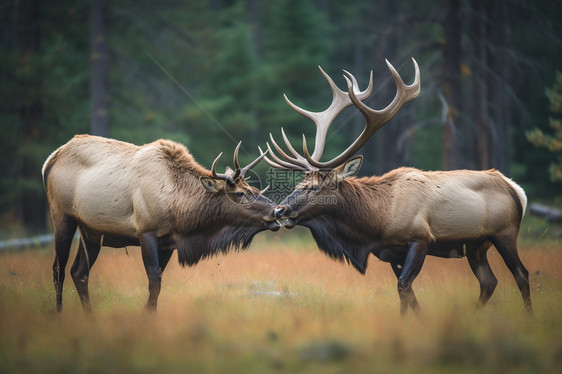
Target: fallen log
(548,213)
(24,243)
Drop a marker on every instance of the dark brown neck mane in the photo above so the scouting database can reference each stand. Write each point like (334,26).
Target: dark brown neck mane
(349,231)
(204,222)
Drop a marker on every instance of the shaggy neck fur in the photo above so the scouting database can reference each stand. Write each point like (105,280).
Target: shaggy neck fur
(205,222)
(180,162)
(350,230)
(192,247)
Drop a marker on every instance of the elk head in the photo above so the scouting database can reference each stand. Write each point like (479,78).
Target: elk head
(234,186)
(318,192)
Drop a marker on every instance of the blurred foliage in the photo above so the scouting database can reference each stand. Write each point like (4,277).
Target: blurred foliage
(552,142)
(212,72)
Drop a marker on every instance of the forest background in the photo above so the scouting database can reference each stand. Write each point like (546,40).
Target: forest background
(211,73)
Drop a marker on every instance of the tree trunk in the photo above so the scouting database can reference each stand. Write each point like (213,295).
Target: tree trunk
(254,23)
(99,114)
(358,121)
(254,19)
(497,79)
(390,155)
(32,205)
(479,89)
(452,85)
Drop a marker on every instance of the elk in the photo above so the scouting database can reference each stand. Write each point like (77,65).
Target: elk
(157,196)
(405,214)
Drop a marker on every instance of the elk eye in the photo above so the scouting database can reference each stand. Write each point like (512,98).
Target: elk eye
(239,195)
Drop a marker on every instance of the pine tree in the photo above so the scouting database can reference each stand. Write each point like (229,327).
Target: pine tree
(225,110)
(553,142)
(296,42)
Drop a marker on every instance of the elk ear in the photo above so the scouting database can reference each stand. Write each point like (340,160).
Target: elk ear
(212,184)
(350,168)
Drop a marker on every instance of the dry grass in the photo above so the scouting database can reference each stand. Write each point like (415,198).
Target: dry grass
(280,306)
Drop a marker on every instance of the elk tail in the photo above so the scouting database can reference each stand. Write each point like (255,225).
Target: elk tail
(520,197)
(48,165)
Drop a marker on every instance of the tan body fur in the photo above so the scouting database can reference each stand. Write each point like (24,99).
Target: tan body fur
(441,206)
(121,188)
(406,214)
(156,196)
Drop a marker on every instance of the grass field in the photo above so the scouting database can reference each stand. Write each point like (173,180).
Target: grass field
(281,306)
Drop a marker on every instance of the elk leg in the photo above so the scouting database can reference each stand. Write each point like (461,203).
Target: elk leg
(507,247)
(85,257)
(397,268)
(412,266)
(65,228)
(150,258)
(481,268)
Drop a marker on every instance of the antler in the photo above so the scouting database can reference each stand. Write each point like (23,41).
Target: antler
(322,120)
(375,119)
(238,173)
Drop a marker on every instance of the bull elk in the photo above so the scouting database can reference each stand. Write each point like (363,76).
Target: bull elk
(156,196)
(403,215)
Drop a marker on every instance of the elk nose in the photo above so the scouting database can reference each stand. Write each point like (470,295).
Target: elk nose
(278,212)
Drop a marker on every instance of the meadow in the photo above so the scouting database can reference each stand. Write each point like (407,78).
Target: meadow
(280,306)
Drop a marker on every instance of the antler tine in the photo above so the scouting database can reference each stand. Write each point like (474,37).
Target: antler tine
(289,146)
(340,101)
(253,163)
(238,171)
(404,94)
(235,161)
(361,95)
(323,120)
(214,166)
(272,163)
(284,164)
(269,162)
(305,150)
(278,149)
(375,119)
(216,175)
(298,161)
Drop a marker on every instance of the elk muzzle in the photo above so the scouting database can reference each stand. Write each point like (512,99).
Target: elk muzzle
(285,213)
(279,212)
(271,223)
